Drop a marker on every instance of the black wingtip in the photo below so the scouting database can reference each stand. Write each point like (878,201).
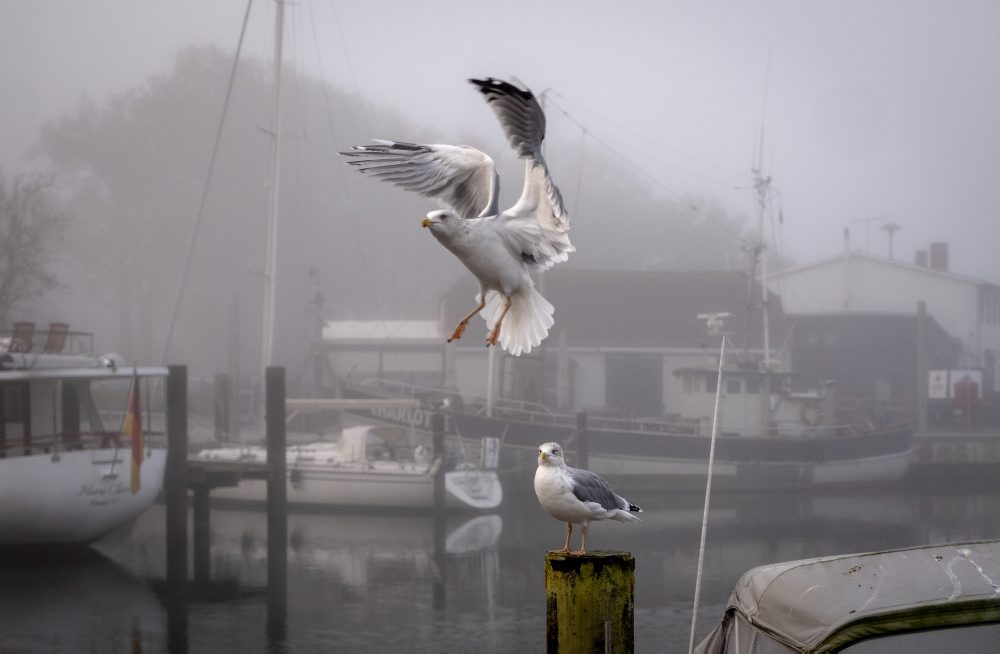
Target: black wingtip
(492,86)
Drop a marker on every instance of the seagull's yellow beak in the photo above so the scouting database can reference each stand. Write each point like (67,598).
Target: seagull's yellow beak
(426,222)
(542,456)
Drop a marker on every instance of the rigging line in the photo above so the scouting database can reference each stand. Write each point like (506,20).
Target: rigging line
(680,199)
(331,124)
(350,62)
(208,183)
(645,137)
(579,171)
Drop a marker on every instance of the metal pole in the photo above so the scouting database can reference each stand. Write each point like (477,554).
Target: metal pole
(271,253)
(708,496)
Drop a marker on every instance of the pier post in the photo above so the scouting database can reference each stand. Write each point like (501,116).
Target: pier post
(277,516)
(582,441)
(437,432)
(175,489)
(222,396)
(590,602)
(922,366)
(438,590)
(202,535)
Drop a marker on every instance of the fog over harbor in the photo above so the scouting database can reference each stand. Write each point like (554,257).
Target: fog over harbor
(872,114)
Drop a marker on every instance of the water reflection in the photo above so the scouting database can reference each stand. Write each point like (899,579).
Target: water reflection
(76,600)
(399,583)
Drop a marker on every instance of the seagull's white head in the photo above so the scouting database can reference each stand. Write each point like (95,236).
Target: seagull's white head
(551,454)
(441,222)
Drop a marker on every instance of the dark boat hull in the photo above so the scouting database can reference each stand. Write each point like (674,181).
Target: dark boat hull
(651,455)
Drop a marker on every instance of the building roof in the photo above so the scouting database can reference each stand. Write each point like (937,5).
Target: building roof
(898,263)
(640,309)
(382,330)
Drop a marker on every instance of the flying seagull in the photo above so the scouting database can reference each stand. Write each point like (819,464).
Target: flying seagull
(576,496)
(500,248)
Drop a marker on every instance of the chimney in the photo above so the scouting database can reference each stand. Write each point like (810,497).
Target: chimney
(939,256)
(921,258)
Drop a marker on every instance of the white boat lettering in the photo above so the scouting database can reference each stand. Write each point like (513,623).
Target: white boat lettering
(411,416)
(92,490)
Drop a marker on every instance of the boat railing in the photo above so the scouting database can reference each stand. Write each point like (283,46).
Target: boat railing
(416,390)
(57,339)
(55,444)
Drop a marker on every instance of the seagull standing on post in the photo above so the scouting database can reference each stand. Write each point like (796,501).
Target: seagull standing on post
(500,248)
(576,496)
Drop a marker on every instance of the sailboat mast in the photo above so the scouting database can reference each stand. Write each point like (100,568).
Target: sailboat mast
(271,250)
(762,184)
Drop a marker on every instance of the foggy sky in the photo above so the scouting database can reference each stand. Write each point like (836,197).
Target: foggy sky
(870,109)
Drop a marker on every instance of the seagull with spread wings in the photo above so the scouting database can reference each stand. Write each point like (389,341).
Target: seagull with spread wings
(500,248)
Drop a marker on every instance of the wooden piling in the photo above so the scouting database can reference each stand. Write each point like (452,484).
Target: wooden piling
(583,595)
(222,396)
(277,515)
(202,535)
(175,490)
(437,432)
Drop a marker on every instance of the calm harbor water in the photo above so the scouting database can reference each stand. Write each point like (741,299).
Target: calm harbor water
(375,583)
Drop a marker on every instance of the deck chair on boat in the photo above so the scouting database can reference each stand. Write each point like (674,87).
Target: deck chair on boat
(56,340)
(23,338)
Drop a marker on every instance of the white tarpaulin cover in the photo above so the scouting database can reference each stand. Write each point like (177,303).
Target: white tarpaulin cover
(812,604)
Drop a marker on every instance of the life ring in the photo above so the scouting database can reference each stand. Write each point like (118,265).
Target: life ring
(811,413)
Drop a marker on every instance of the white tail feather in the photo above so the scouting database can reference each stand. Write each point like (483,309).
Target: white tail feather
(526,324)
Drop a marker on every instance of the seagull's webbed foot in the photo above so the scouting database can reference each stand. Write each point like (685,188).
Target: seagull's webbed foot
(464,322)
(495,334)
(459,330)
(578,553)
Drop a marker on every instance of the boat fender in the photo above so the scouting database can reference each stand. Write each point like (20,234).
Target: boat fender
(811,413)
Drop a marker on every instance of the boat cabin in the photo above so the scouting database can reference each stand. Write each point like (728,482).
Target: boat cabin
(67,401)
(754,402)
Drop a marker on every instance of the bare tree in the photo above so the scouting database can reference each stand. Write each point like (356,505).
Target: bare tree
(28,227)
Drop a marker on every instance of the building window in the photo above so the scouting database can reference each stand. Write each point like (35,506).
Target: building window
(711,383)
(753,386)
(733,386)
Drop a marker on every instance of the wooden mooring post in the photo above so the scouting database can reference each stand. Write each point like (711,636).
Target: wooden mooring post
(590,602)
(277,514)
(440,498)
(175,489)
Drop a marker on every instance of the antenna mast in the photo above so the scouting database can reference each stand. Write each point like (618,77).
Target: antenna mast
(762,184)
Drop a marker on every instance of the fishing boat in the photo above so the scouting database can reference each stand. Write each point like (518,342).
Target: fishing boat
(772,432)
(367,467)
(66,471)
(769,437)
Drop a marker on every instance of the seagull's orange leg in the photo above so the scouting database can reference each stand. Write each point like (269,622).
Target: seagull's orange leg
(495,334)
(583,543)
(565,549)
(457,334)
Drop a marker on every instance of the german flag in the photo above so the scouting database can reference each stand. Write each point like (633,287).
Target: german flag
(133,429)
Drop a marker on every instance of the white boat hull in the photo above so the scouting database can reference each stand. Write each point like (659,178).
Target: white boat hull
(75,497)
(324,488)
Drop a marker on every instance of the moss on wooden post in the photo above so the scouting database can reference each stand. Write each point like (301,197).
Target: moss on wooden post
(585,592)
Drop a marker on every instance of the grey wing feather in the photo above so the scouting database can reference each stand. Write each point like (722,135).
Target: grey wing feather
(538,224)
(590,487)
(460,177)
(519,113)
